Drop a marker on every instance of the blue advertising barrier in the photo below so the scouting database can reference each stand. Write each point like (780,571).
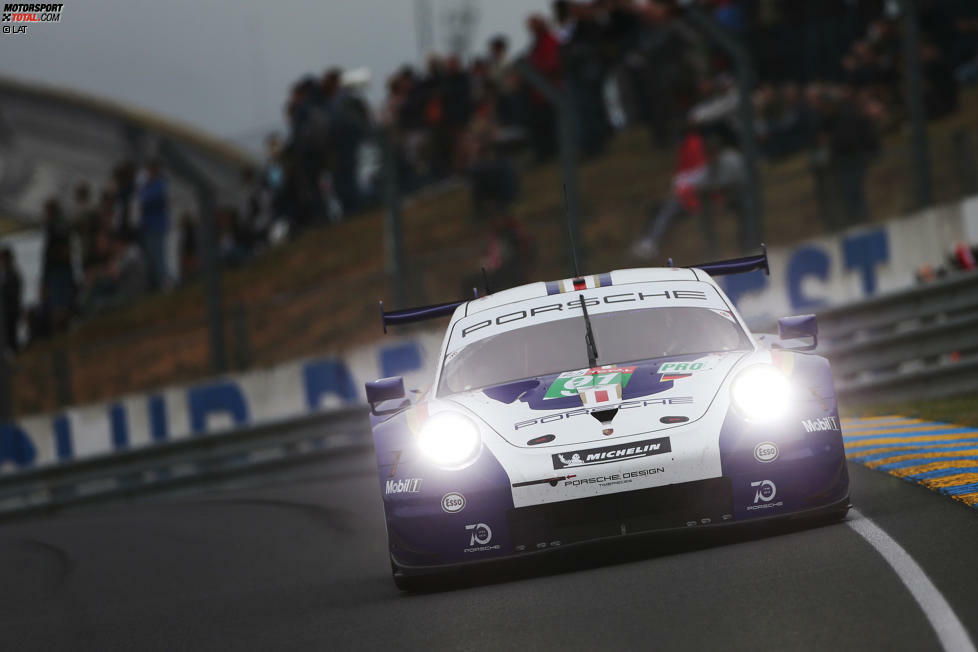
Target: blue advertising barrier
(290,390)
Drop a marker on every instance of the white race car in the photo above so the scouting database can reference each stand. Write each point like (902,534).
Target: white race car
(602,406)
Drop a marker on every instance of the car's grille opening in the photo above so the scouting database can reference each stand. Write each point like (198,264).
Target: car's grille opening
(676,505)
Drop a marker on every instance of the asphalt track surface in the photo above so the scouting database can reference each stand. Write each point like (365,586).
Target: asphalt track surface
(298,561)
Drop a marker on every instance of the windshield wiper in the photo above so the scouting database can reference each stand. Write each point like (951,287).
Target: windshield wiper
(592,348)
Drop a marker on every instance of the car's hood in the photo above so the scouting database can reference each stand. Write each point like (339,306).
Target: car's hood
(629,398)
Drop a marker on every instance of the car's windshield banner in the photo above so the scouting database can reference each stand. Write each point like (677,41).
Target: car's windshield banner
(520,314)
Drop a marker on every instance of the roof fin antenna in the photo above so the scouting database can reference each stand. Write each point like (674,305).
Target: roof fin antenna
(570,234)
(592,346)
(485,279)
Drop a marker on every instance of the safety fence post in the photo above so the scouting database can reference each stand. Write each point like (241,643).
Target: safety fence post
(181,165)
(240,345)
(61,370)
(708,227)
(567,145)
(6,401)
(963,144)
(393,219)
(753,197)
(919,145)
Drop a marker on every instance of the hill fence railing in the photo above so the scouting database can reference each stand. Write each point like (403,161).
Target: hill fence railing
(914,344)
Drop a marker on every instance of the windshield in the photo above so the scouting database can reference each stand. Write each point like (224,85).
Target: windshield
(621,336)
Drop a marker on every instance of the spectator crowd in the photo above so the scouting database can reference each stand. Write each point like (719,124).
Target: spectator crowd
(830,83)
(102,251)
(109,248)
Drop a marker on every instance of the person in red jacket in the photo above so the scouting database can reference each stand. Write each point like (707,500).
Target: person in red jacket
(545,50)
(545,57)
(691,170)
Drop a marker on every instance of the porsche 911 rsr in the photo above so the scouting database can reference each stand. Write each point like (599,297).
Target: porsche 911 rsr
(602,406)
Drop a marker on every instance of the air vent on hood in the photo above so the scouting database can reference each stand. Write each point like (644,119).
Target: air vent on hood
(605,416)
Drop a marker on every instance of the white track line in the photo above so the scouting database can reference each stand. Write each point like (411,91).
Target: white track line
(949,630)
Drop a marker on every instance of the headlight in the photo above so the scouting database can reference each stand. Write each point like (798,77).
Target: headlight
(761,393)
(449,439)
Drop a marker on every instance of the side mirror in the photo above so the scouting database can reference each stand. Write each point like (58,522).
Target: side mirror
(799,326)
(385,389)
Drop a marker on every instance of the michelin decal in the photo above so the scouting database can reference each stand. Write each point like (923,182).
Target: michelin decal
(606,454)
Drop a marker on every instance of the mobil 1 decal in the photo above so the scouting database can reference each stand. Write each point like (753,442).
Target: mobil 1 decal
(573,383)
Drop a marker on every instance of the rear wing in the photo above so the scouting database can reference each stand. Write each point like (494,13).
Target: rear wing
(421,313)
(736,265)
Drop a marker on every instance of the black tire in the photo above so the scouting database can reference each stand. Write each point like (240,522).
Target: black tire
(840,513)
(409,583)
(834,514)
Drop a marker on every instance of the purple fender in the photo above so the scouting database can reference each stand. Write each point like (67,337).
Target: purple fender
(795,463)
(437,516)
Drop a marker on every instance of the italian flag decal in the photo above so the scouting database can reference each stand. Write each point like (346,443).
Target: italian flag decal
(597,396)
(666,377)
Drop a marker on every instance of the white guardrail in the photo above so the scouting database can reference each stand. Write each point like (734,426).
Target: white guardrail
(213,407)
(172,465)
(918,343)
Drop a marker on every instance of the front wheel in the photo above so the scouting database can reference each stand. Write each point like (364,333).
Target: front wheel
(409,583)
(831,514)
(839,513)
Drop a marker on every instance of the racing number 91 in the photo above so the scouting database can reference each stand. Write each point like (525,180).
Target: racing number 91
(569,386)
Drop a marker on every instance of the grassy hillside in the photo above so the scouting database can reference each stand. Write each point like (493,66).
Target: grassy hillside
(318,295)
(962,410)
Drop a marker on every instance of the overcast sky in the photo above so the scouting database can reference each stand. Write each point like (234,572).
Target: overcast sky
(225,65)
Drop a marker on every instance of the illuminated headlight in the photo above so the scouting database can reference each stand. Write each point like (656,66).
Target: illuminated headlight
(450,440)
(761,393)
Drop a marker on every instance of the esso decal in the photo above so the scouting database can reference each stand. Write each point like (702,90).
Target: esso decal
(766,451)
(453,502)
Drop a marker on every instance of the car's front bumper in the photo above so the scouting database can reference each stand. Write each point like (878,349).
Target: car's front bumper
(802,487)
(702,502)
(806,471)
(834,510)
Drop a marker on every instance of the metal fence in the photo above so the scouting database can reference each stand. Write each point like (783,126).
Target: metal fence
(293,323)
(915,344)
(183,463)
(782,202)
